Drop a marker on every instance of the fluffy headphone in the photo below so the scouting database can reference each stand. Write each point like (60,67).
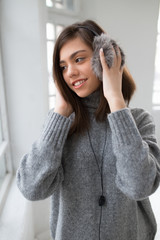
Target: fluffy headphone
(105,42)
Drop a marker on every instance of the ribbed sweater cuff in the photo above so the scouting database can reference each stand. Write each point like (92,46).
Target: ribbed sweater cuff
(56,129)
(123,127)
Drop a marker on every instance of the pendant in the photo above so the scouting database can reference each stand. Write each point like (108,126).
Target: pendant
(102,200)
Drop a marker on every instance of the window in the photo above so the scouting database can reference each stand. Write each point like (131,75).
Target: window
(2,157)
(156,86)
(5,160)
(52,31)
(61,4)
(60,13)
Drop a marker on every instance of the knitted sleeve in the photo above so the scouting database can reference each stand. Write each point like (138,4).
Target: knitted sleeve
(40,171)
(136,151)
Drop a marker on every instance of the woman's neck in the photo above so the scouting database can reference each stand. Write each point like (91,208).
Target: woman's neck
(92,101)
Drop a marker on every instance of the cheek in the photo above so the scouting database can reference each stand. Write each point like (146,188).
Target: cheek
(64,77)
(88,69)
(67,82)
(92,74)
(96,81)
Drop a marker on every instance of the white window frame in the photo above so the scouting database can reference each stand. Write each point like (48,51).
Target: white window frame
(65,11)
(156,105)
(63,17)
(5,146)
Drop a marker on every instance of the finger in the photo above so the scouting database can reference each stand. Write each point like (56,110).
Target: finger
(117,57)
(121,69)
(102,59)
(114,55)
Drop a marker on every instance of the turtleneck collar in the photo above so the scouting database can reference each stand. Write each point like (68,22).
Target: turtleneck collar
(92,101)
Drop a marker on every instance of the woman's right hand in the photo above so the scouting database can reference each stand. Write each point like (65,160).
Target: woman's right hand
(62,107)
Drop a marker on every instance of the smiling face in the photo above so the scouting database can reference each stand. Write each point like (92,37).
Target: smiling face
(75,63)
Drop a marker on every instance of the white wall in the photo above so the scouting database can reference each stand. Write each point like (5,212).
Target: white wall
(22,25)
(25,72)
(134,25)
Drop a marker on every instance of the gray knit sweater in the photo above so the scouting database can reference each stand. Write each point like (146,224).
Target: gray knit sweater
(124,167)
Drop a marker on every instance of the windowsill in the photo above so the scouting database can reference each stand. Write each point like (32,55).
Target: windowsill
(155,200)
(5,185)
(16,216)
(156,108)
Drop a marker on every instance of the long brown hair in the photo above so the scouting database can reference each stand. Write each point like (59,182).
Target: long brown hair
(85,30)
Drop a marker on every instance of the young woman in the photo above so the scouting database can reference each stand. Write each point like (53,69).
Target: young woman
(96,157)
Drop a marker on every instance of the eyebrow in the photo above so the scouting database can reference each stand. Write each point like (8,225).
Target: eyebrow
(72,55)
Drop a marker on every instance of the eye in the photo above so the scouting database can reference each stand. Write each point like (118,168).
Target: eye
(63,68)
(79,59)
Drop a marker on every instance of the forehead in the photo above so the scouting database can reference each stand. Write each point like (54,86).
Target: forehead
(72,46)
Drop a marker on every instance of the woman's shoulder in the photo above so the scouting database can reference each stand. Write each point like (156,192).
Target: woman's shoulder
(140,112)
(141,116)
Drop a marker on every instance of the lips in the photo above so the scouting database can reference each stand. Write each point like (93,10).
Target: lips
(78,83)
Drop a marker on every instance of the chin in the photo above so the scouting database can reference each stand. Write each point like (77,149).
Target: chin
(84,94)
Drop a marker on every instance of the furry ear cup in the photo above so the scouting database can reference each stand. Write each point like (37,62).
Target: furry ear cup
(105,42)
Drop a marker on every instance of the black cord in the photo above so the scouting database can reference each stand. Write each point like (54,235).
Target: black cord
(100,170)
(94,152)
(102,198)
(100,223)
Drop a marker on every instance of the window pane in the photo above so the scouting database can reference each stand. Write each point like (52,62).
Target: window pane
(51,86)
(157,60)
(50,46)
(50,31)
(2,169)
(52,102)
(156,84)
(59,5)
(159,23)
(49,3)
(1,136)
(70,5)
(59,29)
(156,98)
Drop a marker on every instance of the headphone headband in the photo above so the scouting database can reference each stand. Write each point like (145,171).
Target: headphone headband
(89,29)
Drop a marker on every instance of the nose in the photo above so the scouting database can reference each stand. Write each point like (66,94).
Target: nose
(72,71)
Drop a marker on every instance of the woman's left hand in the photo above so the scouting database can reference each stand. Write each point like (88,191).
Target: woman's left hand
(112,81)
